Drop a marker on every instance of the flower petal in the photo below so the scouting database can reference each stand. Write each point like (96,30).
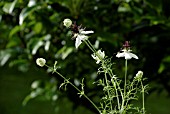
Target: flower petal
(86,32)
(133,55)
(120,54)
(127,55)
(78,41)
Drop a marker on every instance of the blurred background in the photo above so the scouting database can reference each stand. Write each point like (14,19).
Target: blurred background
(34,28)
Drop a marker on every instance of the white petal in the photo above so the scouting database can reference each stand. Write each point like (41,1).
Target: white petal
(133,55)
(120,54)
(83,37)
(78,41)
(127,55)
(97,62)
(94,56)
(86,32)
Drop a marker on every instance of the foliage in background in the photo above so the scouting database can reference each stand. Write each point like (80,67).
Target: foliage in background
(33,28)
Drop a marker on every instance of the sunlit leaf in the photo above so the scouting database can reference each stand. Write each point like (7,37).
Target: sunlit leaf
(34,44)
(8,7)
(47,45)
(24,13)
(124,7)
(4,56)
(65,51)
(37,46)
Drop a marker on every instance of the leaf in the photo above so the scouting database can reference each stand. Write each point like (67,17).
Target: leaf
(34,45)
(24,13)
(15,30)
(8,7)
(37,46)
(15,41)
(156,5)
(124,7)
(47,45)
(38,27)
(65,51)
(4,56)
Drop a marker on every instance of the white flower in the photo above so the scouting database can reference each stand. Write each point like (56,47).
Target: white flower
(98,56)
(126,54)
(81,36)
(67,23)
(41,62)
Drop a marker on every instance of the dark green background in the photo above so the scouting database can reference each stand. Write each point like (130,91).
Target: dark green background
(145,23)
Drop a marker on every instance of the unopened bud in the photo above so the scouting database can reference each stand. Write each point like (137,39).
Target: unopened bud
(67,22)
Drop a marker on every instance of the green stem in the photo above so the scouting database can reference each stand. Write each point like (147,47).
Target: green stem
(108,91)
(143,98)
(90,46)
(124,96)
(78,90)
(88,43)
(117,96)
(125,77)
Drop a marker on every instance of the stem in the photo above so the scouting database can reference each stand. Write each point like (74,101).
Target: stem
(143,98)
(123,100)
(90,46)
(117,96)
(125,77)
(78,90)
(108,91)
(88,43)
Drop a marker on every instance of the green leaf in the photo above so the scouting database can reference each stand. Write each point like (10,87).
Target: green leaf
(24,13)
(37,46)
(8,7)
(34,44)
(38,27)
(65,51)
(124,7)
(4,56)
(15,41)
(156,5)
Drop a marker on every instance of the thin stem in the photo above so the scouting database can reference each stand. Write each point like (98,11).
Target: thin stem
(108,91)
(117,96)
(78,90)
(124,96)
(125,77)
(143,99)
(90,46)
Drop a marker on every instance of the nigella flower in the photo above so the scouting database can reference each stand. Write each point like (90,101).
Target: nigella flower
(98,56)
(126,52)
(78,32)
(41,62)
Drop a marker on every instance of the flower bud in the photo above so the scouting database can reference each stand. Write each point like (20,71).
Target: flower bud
(67,22)
(41,62)
(139,75)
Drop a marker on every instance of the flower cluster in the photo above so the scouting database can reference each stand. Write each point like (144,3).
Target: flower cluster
(112,86)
